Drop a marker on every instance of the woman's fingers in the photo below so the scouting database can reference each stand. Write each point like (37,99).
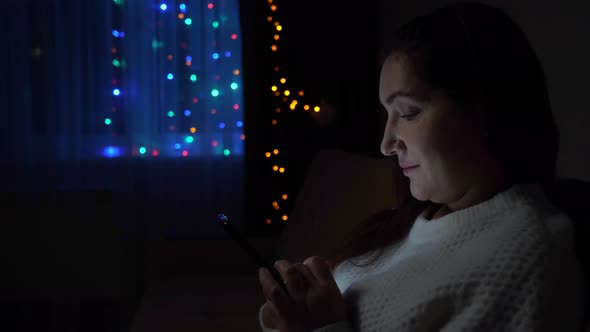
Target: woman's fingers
(296,284)
(273,292)
(320,270)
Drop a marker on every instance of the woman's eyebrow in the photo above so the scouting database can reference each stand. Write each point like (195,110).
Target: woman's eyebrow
(409,94)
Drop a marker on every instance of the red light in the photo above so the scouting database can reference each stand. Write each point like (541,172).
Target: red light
(114,82)
(234,36)
(183,45)
(210,6)
(236,107)
(155,153)
(184,153)
(214,144)
(195,100)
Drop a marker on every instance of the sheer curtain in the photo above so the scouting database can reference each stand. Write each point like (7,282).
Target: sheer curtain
(138,96)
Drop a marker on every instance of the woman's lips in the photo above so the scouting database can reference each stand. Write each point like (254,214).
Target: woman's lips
(408,170)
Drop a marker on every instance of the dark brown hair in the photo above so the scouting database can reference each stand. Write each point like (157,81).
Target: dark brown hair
(481,59)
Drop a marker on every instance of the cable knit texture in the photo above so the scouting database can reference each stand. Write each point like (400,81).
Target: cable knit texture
(506,264)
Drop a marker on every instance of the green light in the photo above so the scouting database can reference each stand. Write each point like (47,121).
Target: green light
(116,63)
(118,2)
(226,152)
(170,114)
(215,24)
(156,44)
(188,21)
(142,150)
(189,139)
(107,121)
(193,77)
(234,85)
(215,92)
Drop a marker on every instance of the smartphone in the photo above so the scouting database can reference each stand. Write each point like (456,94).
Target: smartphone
(260,261)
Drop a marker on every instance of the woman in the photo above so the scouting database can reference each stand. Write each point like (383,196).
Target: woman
(476,245)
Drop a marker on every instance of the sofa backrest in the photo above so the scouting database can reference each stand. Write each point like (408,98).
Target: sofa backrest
(340,190)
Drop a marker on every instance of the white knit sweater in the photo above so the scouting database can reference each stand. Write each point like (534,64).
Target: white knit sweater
(506,264)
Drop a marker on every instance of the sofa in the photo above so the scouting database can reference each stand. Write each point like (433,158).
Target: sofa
(212,285)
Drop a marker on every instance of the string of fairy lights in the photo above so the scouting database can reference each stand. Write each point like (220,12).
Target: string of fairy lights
(200,96)
(286,99)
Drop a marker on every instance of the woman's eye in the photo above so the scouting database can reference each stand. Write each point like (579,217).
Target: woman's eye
(410,114)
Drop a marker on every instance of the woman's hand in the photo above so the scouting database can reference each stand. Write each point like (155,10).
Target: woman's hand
(315,298)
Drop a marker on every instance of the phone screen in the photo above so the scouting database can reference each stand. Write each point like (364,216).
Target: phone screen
(260,261)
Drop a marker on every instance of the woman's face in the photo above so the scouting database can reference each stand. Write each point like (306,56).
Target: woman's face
(439,147)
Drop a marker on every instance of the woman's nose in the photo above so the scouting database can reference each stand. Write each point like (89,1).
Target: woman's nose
(388,145)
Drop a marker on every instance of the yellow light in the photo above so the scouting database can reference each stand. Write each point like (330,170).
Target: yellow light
(275,151)
(274,88)
(301,93)
(269,18)
(282,170)
(273,48)
(277,208)
(267,155)
(193,130)
(276,23)
(292,107)
(287,92)
(275,203)
(276,37)
(279,28)
(285,217)
(268,221)
(269,1)
(283,80)
(273,7)
(294,102)
(306,107)
(316,109)
(284,197)
(236,72)
(275,168)
(274,122)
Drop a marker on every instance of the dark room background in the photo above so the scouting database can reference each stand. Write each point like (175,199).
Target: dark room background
(92,176)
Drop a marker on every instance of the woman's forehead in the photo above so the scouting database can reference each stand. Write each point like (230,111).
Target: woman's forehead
(399,78)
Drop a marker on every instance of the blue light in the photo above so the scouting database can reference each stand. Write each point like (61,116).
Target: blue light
(187,112)
(177,146)
(118,34)
(221,125)
(182,7)
(116,92)
(170,76)
(215,56)
(111,152)
(189,58)
(163,7)
(122,34)
(227,54)
(239,124)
